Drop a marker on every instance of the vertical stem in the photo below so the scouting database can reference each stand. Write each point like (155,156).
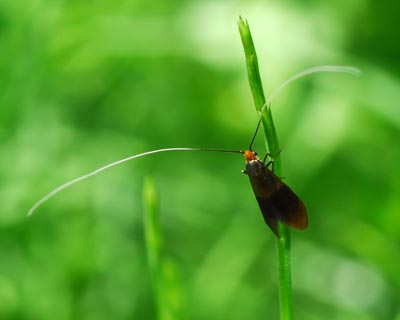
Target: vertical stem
(163,273)
(285,273)
(154,245)
(283,241)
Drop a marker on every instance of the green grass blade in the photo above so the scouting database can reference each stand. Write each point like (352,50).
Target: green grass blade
(283,242)
(163,273)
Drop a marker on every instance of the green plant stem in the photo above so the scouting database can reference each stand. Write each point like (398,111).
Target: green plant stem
(154,245)
(283,242)
(163,273)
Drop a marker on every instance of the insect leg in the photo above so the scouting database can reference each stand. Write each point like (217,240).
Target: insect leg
(266,156)
(270,163)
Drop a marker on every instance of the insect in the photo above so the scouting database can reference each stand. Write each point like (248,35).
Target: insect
(276,200)
(278,203)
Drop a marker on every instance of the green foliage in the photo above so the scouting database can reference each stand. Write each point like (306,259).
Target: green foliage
(86,83)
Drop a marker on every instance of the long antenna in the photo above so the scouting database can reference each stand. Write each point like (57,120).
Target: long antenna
(303,73)
(343,69)
(113,164)
(255,133)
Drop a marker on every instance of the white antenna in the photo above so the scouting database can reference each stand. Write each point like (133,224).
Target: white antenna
(301,74)
(342,69)
(113,164)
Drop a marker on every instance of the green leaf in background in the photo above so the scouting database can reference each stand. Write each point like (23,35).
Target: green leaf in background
(166,287)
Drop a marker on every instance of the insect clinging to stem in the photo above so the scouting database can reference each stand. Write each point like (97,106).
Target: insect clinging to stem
(278,203)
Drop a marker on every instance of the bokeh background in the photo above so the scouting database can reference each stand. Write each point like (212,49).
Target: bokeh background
(84,83)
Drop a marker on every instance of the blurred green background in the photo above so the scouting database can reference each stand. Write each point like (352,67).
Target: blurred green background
(84,83)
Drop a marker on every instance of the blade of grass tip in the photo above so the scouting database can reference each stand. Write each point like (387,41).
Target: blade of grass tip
(257,92)
(166,287)
(252,64)
(283,242)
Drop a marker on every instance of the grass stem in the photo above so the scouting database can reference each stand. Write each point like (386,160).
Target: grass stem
(163,273)
(283,241)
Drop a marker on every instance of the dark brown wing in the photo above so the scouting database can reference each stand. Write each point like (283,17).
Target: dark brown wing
(288,206)
(276,200)
(269,213)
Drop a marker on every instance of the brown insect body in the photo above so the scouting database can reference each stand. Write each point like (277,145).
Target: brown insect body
(276,200)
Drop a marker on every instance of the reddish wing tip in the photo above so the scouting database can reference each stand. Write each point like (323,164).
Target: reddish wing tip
(300,219)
